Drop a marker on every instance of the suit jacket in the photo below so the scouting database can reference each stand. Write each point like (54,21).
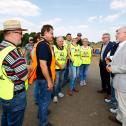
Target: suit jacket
(115,46)
(112,53)
(118,65)
(108,48)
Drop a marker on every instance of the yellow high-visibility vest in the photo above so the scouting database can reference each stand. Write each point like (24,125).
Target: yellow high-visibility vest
(60,56)
(75,55)
(66,44)
(86,55)
(6,84)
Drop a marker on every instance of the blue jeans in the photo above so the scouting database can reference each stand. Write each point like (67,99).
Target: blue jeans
(43,101)
(13,110)
(74,75)
(114,103)
(83,71)
(66,73)
(59,82)
(36,93)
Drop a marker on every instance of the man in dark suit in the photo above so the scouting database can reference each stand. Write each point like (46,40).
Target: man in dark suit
(105,76)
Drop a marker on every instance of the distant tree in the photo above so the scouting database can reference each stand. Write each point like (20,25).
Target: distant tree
(64,37)
(54,41)
(1,36)
(32,34)
(25,39)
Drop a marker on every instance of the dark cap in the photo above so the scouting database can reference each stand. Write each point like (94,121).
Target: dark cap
(79,34)
(68,34)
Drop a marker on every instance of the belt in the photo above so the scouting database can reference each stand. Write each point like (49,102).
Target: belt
(60,69)
(19,91)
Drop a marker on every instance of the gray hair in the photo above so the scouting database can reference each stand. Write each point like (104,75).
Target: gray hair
(106,34)
(122,29)
(59,37)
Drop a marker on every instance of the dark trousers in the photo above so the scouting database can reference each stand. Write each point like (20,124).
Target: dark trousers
(13,110)
(44,100)
(66,73)
(105,78)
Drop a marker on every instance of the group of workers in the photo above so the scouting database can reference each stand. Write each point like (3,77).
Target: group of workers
(49,66)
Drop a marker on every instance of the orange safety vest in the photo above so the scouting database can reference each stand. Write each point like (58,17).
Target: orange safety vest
(53,63)
(33,67)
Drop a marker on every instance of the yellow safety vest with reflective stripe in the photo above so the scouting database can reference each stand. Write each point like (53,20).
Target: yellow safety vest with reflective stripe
(86,54)
(6,85)
(75,55)
(60,56)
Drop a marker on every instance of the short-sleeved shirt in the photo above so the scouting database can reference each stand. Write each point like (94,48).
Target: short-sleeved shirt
(28,49)
(15,66)
(43,52)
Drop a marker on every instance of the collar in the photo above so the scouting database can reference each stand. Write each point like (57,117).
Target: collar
(85,47)
(59,47)
(74,45)
(68,41)
(106,43)
(46,41)
(122,43)
(10,43)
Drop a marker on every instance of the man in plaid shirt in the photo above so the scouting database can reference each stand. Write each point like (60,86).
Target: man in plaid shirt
(16,70)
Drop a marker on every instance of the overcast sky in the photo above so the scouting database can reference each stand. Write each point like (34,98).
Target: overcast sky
(90,17)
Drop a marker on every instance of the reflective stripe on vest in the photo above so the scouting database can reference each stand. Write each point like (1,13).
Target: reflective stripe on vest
(86,55)
(6,85)
(75,55)
(60,56)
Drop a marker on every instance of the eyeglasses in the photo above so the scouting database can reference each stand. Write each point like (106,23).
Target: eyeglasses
(20,33)
(104,37)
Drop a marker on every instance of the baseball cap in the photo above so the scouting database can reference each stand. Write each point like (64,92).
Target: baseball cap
(79,34)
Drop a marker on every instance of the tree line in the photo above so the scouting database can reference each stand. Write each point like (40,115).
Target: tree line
(32,34)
